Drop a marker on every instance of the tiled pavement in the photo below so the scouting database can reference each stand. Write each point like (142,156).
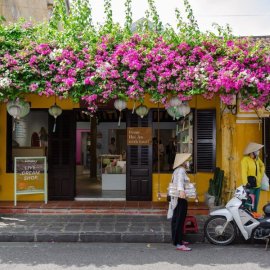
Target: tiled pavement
(92,221)
(89,228)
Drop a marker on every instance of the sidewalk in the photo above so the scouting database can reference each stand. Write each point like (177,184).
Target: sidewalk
(90,228)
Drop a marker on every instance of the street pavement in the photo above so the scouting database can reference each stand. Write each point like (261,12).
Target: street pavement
(90,228)
(130,256)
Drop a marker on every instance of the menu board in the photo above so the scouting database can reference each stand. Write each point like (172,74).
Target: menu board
(30,176)
(139,136)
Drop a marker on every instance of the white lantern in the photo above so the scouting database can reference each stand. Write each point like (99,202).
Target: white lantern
(175,112)
(55,111)
(18,109)
(185,109)
(14,109)
(171,111)
(178,112)
(25,109)
(120,105)
(175,102)
(142,111)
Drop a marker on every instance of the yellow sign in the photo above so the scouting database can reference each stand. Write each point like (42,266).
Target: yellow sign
(139,136)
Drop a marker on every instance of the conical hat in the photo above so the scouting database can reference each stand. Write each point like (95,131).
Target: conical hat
(252,147)
(180,158)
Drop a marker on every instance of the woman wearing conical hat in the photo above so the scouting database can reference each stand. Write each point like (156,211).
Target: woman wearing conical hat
(252,165)
(178,204)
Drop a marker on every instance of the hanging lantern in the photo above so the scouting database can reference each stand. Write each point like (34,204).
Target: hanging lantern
(14,109)
(175,112)
(55,111)
(171,112)
(18,109)
(185,109)
(120,105)
(175,102)
(178,112)
(25,108)
(142,111)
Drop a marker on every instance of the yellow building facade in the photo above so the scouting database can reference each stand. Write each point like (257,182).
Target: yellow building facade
(233,132)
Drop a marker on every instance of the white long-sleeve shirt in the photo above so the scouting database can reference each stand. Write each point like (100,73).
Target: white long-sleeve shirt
(179,178)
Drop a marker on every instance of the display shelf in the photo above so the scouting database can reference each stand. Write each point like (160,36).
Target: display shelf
(185,134)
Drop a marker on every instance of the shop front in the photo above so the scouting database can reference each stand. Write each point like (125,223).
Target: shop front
(100,159)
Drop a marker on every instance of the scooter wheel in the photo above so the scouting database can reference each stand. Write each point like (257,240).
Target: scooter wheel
(216,234)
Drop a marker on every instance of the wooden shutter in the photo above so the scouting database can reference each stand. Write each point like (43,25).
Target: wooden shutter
(266,138)
(61,176)
(205,147)
(9,163)
(139,163)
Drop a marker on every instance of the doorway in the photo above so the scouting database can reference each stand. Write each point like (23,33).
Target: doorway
(100,146)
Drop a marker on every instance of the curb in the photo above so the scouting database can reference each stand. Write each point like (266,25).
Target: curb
(96,237)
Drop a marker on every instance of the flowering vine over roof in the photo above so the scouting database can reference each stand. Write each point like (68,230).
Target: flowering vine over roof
(137,64)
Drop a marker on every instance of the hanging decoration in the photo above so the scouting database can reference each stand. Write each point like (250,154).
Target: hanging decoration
(177,108)
(120,105)
(185,109)
(18,109)
(142,111)
(133,108)
(175,102)
(55,111)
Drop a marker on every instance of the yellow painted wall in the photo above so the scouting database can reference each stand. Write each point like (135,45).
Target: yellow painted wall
(236,132)
(232,138)
(161,182)
(7,179)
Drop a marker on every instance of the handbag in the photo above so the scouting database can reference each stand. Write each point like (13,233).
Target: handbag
(251,182)
(265,183)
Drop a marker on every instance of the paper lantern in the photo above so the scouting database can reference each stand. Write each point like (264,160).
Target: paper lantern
(18,109)
(142,111)
(120,105)
(55,111)
(175,102)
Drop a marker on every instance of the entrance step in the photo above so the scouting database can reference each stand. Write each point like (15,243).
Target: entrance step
(97,208)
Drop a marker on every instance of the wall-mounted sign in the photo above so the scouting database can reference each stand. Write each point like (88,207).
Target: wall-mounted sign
(139,135)
(30,176)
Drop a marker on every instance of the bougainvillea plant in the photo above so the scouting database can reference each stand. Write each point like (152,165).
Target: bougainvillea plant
(108,63)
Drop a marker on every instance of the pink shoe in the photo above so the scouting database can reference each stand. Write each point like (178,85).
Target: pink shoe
(183,248)
(185,243)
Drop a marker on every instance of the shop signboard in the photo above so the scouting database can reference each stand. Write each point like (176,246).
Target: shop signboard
(139,135)
(30,176)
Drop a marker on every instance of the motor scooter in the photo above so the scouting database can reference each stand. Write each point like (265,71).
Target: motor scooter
(223,225)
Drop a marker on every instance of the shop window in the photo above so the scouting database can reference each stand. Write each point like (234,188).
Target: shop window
(195,134)
(29,138)
(171,136)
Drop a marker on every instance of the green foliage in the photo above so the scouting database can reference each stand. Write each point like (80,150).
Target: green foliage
(128,17)
(74,28)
